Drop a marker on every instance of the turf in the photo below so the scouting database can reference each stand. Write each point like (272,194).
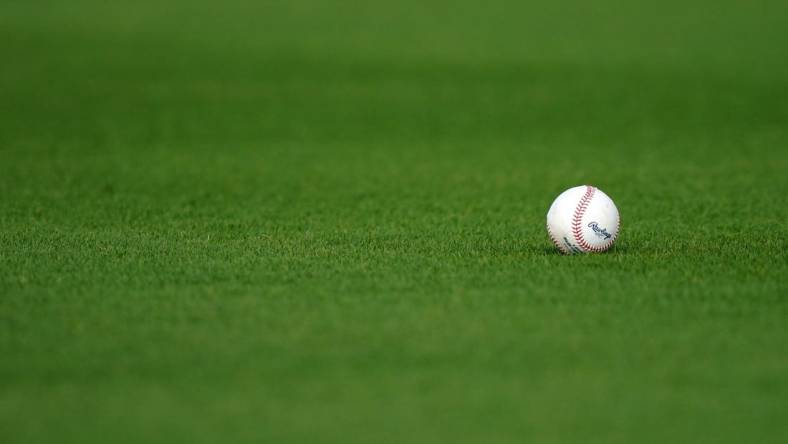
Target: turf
(320,221)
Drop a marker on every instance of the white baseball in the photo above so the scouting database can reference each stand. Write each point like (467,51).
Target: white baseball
(583,220)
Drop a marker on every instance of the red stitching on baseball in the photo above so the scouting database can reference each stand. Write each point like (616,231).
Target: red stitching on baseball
(577,220)
(577,224)
(555,241)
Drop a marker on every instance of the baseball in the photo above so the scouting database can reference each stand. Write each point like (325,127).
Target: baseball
(583,220)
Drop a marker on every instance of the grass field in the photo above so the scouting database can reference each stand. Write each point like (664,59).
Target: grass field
(323,221)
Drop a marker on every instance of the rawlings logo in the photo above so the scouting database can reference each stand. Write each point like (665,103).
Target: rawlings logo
(600,232)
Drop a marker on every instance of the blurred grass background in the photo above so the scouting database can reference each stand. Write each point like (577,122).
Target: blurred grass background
(323,220)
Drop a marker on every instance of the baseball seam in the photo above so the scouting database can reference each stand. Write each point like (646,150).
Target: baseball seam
(577,223)
(555,241)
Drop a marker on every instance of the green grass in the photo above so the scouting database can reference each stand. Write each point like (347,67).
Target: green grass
(318,221)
